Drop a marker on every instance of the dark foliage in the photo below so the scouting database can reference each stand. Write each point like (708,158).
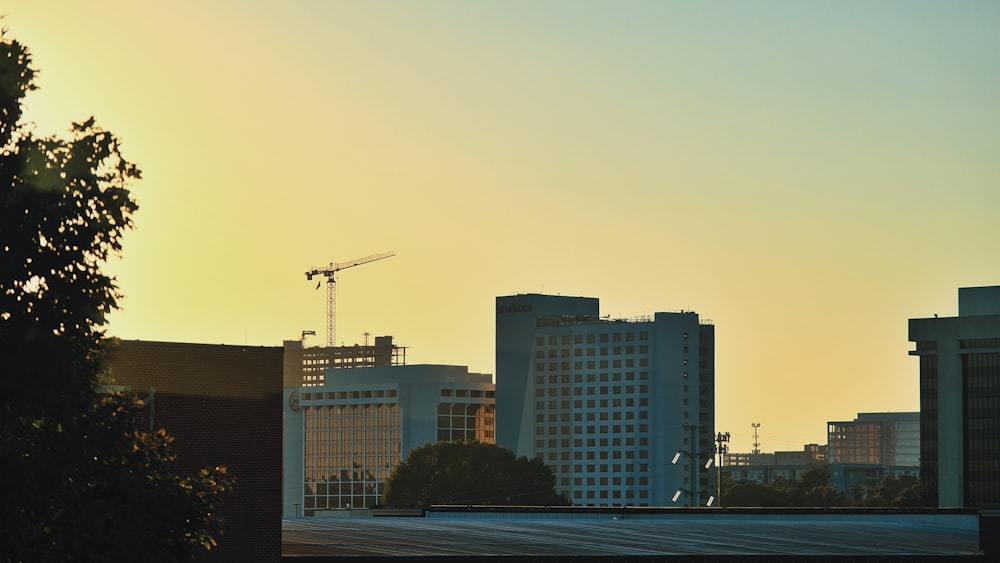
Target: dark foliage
(81,480)
(896,492)
(470,473)
(812,489)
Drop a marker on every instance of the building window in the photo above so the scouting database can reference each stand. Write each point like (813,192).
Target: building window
(340,471)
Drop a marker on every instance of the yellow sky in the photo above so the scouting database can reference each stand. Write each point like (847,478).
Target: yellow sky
(807,175)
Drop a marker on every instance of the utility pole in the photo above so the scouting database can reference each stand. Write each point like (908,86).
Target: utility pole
(756,442)
(692,454)
(693,462)
(722,443)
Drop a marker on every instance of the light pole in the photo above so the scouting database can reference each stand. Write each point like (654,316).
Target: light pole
(693,469)
(721,440)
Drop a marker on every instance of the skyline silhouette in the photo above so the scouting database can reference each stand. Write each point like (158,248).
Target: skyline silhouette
(808,177)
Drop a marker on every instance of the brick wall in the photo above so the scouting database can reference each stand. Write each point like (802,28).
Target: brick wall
(222,404)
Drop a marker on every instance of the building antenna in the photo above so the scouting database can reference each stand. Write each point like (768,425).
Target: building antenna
(756,441)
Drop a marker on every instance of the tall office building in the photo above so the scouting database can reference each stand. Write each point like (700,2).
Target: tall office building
(607,403)
(960,401)
(885,438)
(344,437)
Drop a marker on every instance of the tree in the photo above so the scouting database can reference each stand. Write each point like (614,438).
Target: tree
(909,496)
(470,473)
(752,494)
(861,491)
(811,489)
(902,491)
(81,480)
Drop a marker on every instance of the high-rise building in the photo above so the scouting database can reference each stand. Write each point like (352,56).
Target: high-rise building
(886,438)
(607,404)
(344,437)
(960,401)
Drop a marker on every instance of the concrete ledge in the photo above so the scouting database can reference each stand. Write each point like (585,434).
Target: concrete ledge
(962,519)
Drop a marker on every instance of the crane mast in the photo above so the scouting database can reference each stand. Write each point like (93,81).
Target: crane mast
(330,272)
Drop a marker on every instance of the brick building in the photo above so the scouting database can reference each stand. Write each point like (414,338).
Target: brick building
(222,405)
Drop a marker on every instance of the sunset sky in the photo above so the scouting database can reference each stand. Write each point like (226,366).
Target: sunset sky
(808,175)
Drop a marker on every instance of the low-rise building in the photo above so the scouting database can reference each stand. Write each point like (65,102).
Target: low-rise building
(344,437)
(765,468)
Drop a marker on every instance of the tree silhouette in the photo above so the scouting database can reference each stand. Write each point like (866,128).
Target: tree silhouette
(470,473)
(752,494)
(902,491)
(81,481)
(813,489)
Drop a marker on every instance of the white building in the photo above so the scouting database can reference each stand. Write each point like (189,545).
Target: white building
(607,403)
(344,437)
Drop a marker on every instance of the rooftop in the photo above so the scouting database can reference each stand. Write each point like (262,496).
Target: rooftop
(615,535)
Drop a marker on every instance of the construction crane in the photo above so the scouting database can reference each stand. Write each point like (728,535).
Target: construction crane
(330,272)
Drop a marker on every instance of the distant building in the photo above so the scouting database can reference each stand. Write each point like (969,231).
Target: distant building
(810,455)
(344,437)
(885,438)
(765,468)
(221,405)
(960,401)
(607,403)
(844,475)
(307,366)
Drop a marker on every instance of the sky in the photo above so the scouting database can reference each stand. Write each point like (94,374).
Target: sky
(807,175)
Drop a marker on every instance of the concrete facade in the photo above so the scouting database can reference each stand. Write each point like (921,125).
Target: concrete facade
(515,329)
(960,401)
(607,404)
